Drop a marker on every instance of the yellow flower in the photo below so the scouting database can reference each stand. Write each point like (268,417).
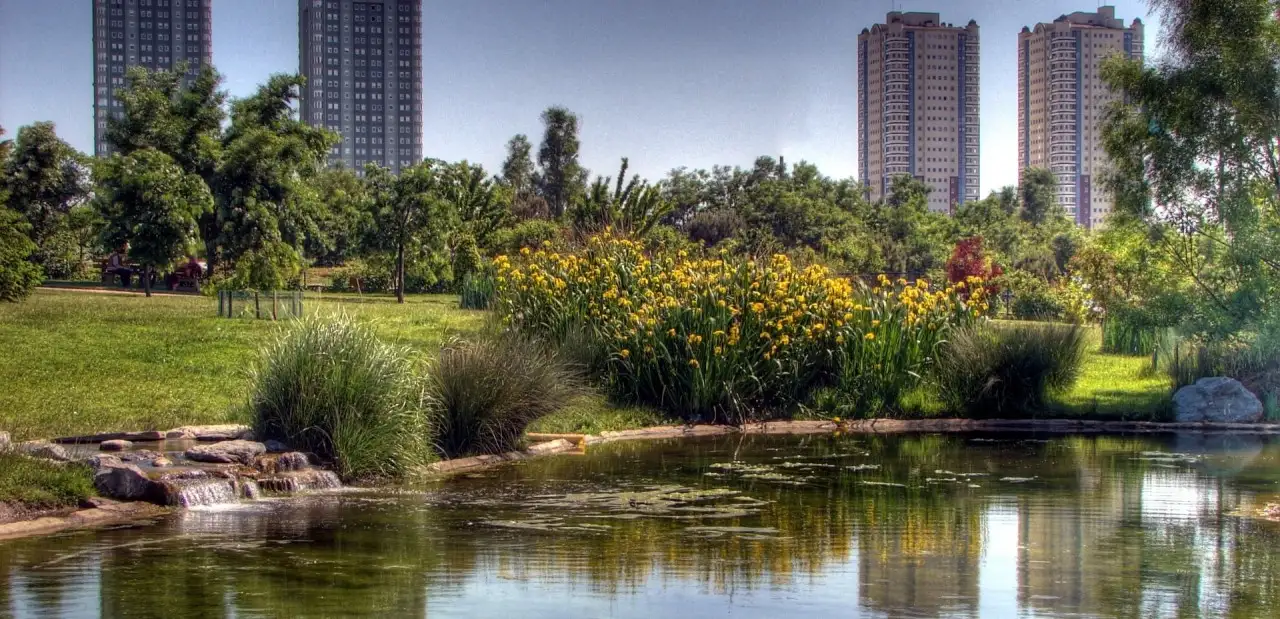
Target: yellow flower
(671,332)
(869,336)
(693,363)
(875,323)
(624,353)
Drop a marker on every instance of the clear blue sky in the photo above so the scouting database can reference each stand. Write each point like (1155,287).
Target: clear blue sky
(664,82)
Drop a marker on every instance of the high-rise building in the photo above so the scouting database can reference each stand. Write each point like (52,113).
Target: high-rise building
(156,34)
(1062,101)
(918,108)
(363,64)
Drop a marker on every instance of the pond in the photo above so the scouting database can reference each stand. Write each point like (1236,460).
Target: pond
(742,526)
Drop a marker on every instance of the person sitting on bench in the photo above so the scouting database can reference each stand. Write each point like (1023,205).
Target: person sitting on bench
(116,265)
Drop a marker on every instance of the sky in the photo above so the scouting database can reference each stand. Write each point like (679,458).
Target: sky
(666,83)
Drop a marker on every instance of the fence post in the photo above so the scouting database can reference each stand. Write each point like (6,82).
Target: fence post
(275,304)
(257,306)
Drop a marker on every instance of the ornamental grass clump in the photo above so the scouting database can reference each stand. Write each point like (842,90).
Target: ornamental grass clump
(484,393)
(328,386)
(721,339)
(1003,371)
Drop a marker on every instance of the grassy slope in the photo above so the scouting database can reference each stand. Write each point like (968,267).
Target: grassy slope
(1116,387)
(40,484)
(82,362)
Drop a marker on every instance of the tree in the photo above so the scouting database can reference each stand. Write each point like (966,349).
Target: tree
(342,217)
(1036,192)
(562,177)
(183,122)
(18,275)
(482,205)
(45,177)
(633,208)
(969,259)
(152,205)
(1195,153)
(269,157)
(408,209)
(517,170)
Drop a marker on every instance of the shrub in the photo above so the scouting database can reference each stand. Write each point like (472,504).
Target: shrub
(1008,371)
(328,386)
(714,226)
(1033,299)
(18,276)
(1253,359)
(477,291)
(721,339)
(486,392)
(466,259)
(531,233)
(1129,332)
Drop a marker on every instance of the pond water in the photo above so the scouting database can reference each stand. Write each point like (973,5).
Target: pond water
(739,526)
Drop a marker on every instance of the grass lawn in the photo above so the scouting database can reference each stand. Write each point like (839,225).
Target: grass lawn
(80,362)
(1116,387)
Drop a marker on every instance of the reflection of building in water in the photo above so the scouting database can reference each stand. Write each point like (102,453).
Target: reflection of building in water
(922,557)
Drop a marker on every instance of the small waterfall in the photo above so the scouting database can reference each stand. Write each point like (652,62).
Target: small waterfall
(298,481)
(200,492)
(249,490)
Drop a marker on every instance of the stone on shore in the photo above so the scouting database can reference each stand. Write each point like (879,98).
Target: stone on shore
(224,432)
(124,482)
(5,442)
(115,445)
(45,450)
(227,452)
(1217,399)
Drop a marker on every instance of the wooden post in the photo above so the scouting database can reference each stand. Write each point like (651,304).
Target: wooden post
(275,305)
(257,307)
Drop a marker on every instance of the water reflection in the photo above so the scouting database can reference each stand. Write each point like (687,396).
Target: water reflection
(924,526)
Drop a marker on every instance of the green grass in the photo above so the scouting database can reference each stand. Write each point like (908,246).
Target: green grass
(593,414)
(40,484)
(1115,387)
(78,363)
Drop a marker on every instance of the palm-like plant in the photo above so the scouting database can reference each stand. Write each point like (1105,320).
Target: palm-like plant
(632,207)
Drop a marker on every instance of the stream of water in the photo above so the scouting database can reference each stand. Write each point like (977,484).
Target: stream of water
(736,526)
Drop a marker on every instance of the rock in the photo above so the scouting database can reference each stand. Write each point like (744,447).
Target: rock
(125,482)
(102,461)
(275,447)
(162,462)
(5,442)
(1217,399)
(293,461)
(551,447)
(226,432)
(96,502)
(233,452)
(44,449)
(115,445)
(150,435)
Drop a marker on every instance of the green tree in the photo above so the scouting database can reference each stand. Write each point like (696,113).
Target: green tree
(342,218)
(45,178)
(151,204)
(1195,153)
(517,169)
(633,207)
(561,178)
(408,211)
(269,158)
(1036,192)
(18,275)
(482,204)
(183,122)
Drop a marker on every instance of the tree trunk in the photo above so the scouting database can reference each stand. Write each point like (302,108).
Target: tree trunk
(146,280)
(210,257)
(400,273)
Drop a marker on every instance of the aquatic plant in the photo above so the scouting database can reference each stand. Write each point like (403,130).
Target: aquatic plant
(1008,370)
(718,338)
(328,386)
(484,393)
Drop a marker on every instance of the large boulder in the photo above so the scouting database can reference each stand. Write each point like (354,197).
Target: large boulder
(227,452)
(125,482)
(46,450)
(1217,399)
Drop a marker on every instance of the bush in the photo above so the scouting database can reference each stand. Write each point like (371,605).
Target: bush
(1008,371)
(18,276)
(1253,359)
(1033,299)
(1129,333)
(722,339)
(326,385)
(477,291)
(485,393)
(530,233)
(714,226)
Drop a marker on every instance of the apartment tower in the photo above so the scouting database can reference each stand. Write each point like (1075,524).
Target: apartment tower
(156,34)
(1062,101)
(363,64)
(918,93)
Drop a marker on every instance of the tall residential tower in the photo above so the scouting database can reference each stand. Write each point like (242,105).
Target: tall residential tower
(363,64)
(918,108)
(156,34)
(1062,100)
